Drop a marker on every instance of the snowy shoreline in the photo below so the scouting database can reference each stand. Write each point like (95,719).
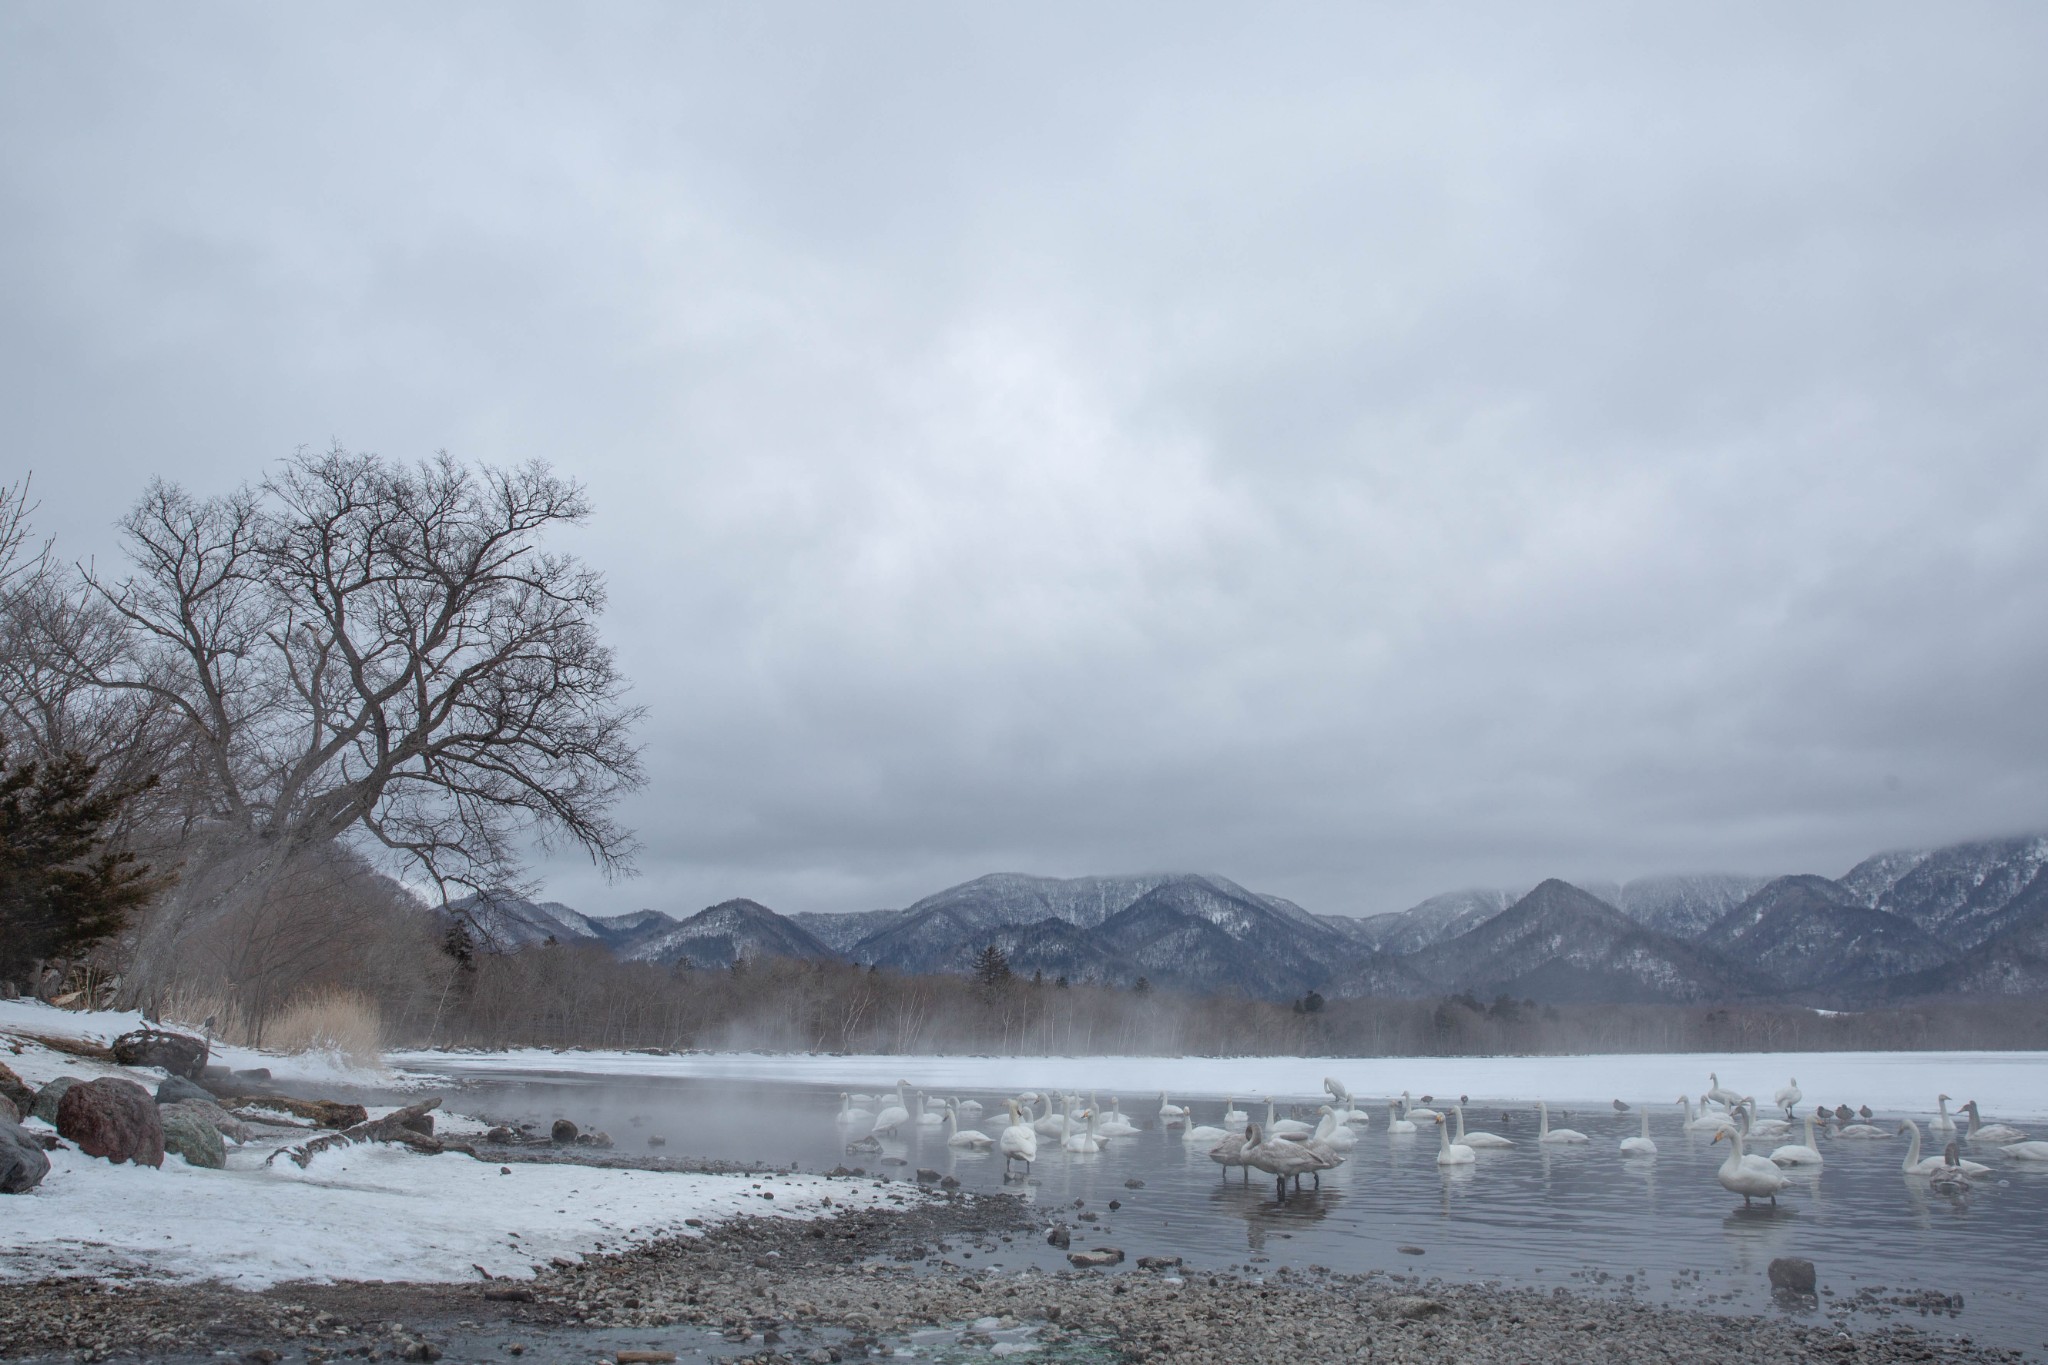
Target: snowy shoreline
(365,1212)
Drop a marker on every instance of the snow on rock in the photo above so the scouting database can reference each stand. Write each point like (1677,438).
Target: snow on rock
(372,1212)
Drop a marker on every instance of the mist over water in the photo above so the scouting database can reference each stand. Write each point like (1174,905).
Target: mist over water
(1532,1216)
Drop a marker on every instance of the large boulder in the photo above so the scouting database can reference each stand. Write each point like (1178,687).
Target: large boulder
(178,1053)
(13,1088)
(224,1123)
(175,1088)
(45,1107)
(22,1163)
(112,1118)
(193,1138)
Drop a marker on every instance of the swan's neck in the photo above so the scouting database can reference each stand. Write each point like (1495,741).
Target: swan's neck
(1543,1118)
(1646,1125)
(1912,1144)
(1443,1131)
(1461,1123)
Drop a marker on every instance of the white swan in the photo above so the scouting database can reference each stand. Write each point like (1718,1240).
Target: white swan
(1169,1112)
(1449,1153)
(1396,1125)
(892,1115)
(1347,1108)
(1083,1143)
(1981,1131)
(1234,1117)
(1798,1154)
(1941,1122)
(850,1115)
(934,1104)
(1754,1127)
(1704,1122)
(1788,1096)
(1055,1125)
(1640,1146)
(1748,1176)
(1858,1132)
(1721,1095)
(1202,1133)
(1915,1165)
(1114,1124)
(1476,1140)
(1333,1132)
(1284,1127)
(1545,1133)
(927,1116)
(1019,1142)
(956,1136)
(2026,1151)
(1417,1113)
(969,1109)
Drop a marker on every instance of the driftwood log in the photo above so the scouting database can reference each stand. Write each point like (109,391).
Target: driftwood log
(390,1128)
(326,1113)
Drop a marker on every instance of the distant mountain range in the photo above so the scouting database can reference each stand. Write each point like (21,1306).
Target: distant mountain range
(1968,919)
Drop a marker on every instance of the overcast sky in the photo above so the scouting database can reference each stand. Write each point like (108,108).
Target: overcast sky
(1364,451)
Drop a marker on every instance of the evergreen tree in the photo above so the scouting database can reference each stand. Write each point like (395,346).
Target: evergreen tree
(64,886)
(991,966)
(1141,986)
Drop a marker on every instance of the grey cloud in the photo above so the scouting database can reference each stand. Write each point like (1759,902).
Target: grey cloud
(1361,452)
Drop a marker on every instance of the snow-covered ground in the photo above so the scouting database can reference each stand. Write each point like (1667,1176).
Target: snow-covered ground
(2009,1085)
(372,1211)
(103,1026)
(369,1212)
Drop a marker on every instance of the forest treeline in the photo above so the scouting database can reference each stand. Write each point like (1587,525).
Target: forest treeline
(579,996)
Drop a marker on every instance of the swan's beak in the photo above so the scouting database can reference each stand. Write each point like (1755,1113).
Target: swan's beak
(1719,1133)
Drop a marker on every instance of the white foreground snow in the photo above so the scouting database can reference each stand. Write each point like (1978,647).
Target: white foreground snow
(2009,1085)
(370,1212)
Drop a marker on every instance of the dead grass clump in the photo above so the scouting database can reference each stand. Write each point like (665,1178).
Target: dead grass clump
(330,1020)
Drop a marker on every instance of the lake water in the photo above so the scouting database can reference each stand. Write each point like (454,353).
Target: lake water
(1533,1216)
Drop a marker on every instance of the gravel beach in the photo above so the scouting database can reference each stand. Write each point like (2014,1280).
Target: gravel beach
(868,1283)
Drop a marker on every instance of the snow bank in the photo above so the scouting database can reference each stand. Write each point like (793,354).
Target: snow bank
(2010,1085)
(370,1212)
(103,1026)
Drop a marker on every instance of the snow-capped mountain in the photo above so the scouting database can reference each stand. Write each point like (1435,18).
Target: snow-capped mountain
(726,932)
(1961,894)
(1972,917)
(1434,921)
(1559,944)
(504,922)
(1804,932)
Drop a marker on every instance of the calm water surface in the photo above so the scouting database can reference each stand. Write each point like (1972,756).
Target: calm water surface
(1583,1217)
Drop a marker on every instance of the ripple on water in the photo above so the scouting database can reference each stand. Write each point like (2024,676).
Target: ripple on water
(1531,1215)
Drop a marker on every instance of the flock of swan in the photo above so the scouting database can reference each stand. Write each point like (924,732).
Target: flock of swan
(1289,1148)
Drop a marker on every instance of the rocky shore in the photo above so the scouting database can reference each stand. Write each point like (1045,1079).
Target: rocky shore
(870,1283)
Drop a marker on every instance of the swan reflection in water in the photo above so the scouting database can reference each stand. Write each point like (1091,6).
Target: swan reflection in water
(1263,1218)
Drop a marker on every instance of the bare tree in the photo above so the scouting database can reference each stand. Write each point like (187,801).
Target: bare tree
(359,649)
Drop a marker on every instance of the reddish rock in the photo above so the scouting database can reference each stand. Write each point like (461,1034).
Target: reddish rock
(14,1089)
(112,1118)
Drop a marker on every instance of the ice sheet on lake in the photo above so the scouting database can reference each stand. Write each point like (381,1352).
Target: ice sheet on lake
(2009,1085)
